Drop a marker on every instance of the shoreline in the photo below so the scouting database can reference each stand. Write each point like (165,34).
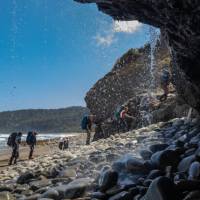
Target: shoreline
(43,147)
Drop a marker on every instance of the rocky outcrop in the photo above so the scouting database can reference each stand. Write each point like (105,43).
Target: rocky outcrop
(179,22)
(129,77)
(157,111)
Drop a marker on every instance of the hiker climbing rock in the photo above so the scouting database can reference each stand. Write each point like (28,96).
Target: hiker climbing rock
(165,81)
(31,141)
(126,119)
(86,125)
(14,141)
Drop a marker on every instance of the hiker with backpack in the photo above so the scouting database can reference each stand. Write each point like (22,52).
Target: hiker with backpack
(31,141)
(165,81)
(86,125)
(117,119)
(14,141)
(126,119)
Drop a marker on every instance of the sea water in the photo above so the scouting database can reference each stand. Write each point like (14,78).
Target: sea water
(42,136)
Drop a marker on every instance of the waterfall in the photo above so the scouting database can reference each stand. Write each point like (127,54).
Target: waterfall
(149,98)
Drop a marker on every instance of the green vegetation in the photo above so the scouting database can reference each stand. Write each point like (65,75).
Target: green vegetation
(43,120)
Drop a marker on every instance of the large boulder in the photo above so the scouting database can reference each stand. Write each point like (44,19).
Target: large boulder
(161,188)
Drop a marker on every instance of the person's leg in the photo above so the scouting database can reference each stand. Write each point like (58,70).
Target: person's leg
(16,156)
(88,137)
(12,156)
(129,123)
(31,151)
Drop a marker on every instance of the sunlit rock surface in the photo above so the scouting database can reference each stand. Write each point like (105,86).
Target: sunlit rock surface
(129,77)
(179,22)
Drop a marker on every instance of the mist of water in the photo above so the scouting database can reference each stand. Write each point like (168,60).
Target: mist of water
(146,100)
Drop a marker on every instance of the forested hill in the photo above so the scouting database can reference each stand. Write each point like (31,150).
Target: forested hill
(42,120)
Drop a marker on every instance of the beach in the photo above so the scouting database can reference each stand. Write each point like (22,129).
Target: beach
(46,144)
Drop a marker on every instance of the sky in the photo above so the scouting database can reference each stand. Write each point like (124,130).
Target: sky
(53,51)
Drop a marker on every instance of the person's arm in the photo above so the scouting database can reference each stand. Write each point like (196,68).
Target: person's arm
(18,140)
(129,116)
(35,141)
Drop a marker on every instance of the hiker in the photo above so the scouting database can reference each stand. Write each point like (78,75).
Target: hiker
(126,119)
(14,141)
(63,143)
(165,81)
(31,141)
(117,119)
(86,125)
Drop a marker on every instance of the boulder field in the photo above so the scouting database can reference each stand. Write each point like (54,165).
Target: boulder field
(157,162)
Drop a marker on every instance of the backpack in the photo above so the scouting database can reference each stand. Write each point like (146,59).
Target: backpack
(84,122)
(165,76)
(11,139)
(30,138)
(118,112)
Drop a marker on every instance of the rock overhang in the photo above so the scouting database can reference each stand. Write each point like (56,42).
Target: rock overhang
(179,22)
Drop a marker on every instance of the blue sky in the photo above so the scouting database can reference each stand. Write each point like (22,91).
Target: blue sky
(53,51)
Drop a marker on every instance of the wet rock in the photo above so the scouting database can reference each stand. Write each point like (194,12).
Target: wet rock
(115,190)
(194,195)
(25,178)
(194,171)
(51,193)
(161,188)
(145,154)
(6,196)
(195,140)
(158,147)
(154,174)
(119,166)
(67,173)
(21,188)
(107,180)
(5,188)
(111,157)
(190,152)
(185,163)
(99,195)
(75,189)
(136,166)
(121,196)
(35,185)
(188,185)
(97,158)
(165,158)
(32,197)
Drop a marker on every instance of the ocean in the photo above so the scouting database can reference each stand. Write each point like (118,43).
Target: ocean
(42,136)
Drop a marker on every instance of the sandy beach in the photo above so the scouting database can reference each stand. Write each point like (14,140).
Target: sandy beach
(43,147)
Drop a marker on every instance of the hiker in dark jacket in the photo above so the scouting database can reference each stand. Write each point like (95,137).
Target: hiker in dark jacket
(31,141)
(86,124)
(15,140)
(165,81)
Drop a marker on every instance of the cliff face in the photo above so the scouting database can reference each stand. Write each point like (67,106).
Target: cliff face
(179,22)
(120,84)
(129,77)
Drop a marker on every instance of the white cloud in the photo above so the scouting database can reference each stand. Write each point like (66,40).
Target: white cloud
(108,37)
(126,26)
(106,40)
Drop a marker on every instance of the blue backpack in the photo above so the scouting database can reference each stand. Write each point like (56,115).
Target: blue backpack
(165,76)
(30,138)
(84,122)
